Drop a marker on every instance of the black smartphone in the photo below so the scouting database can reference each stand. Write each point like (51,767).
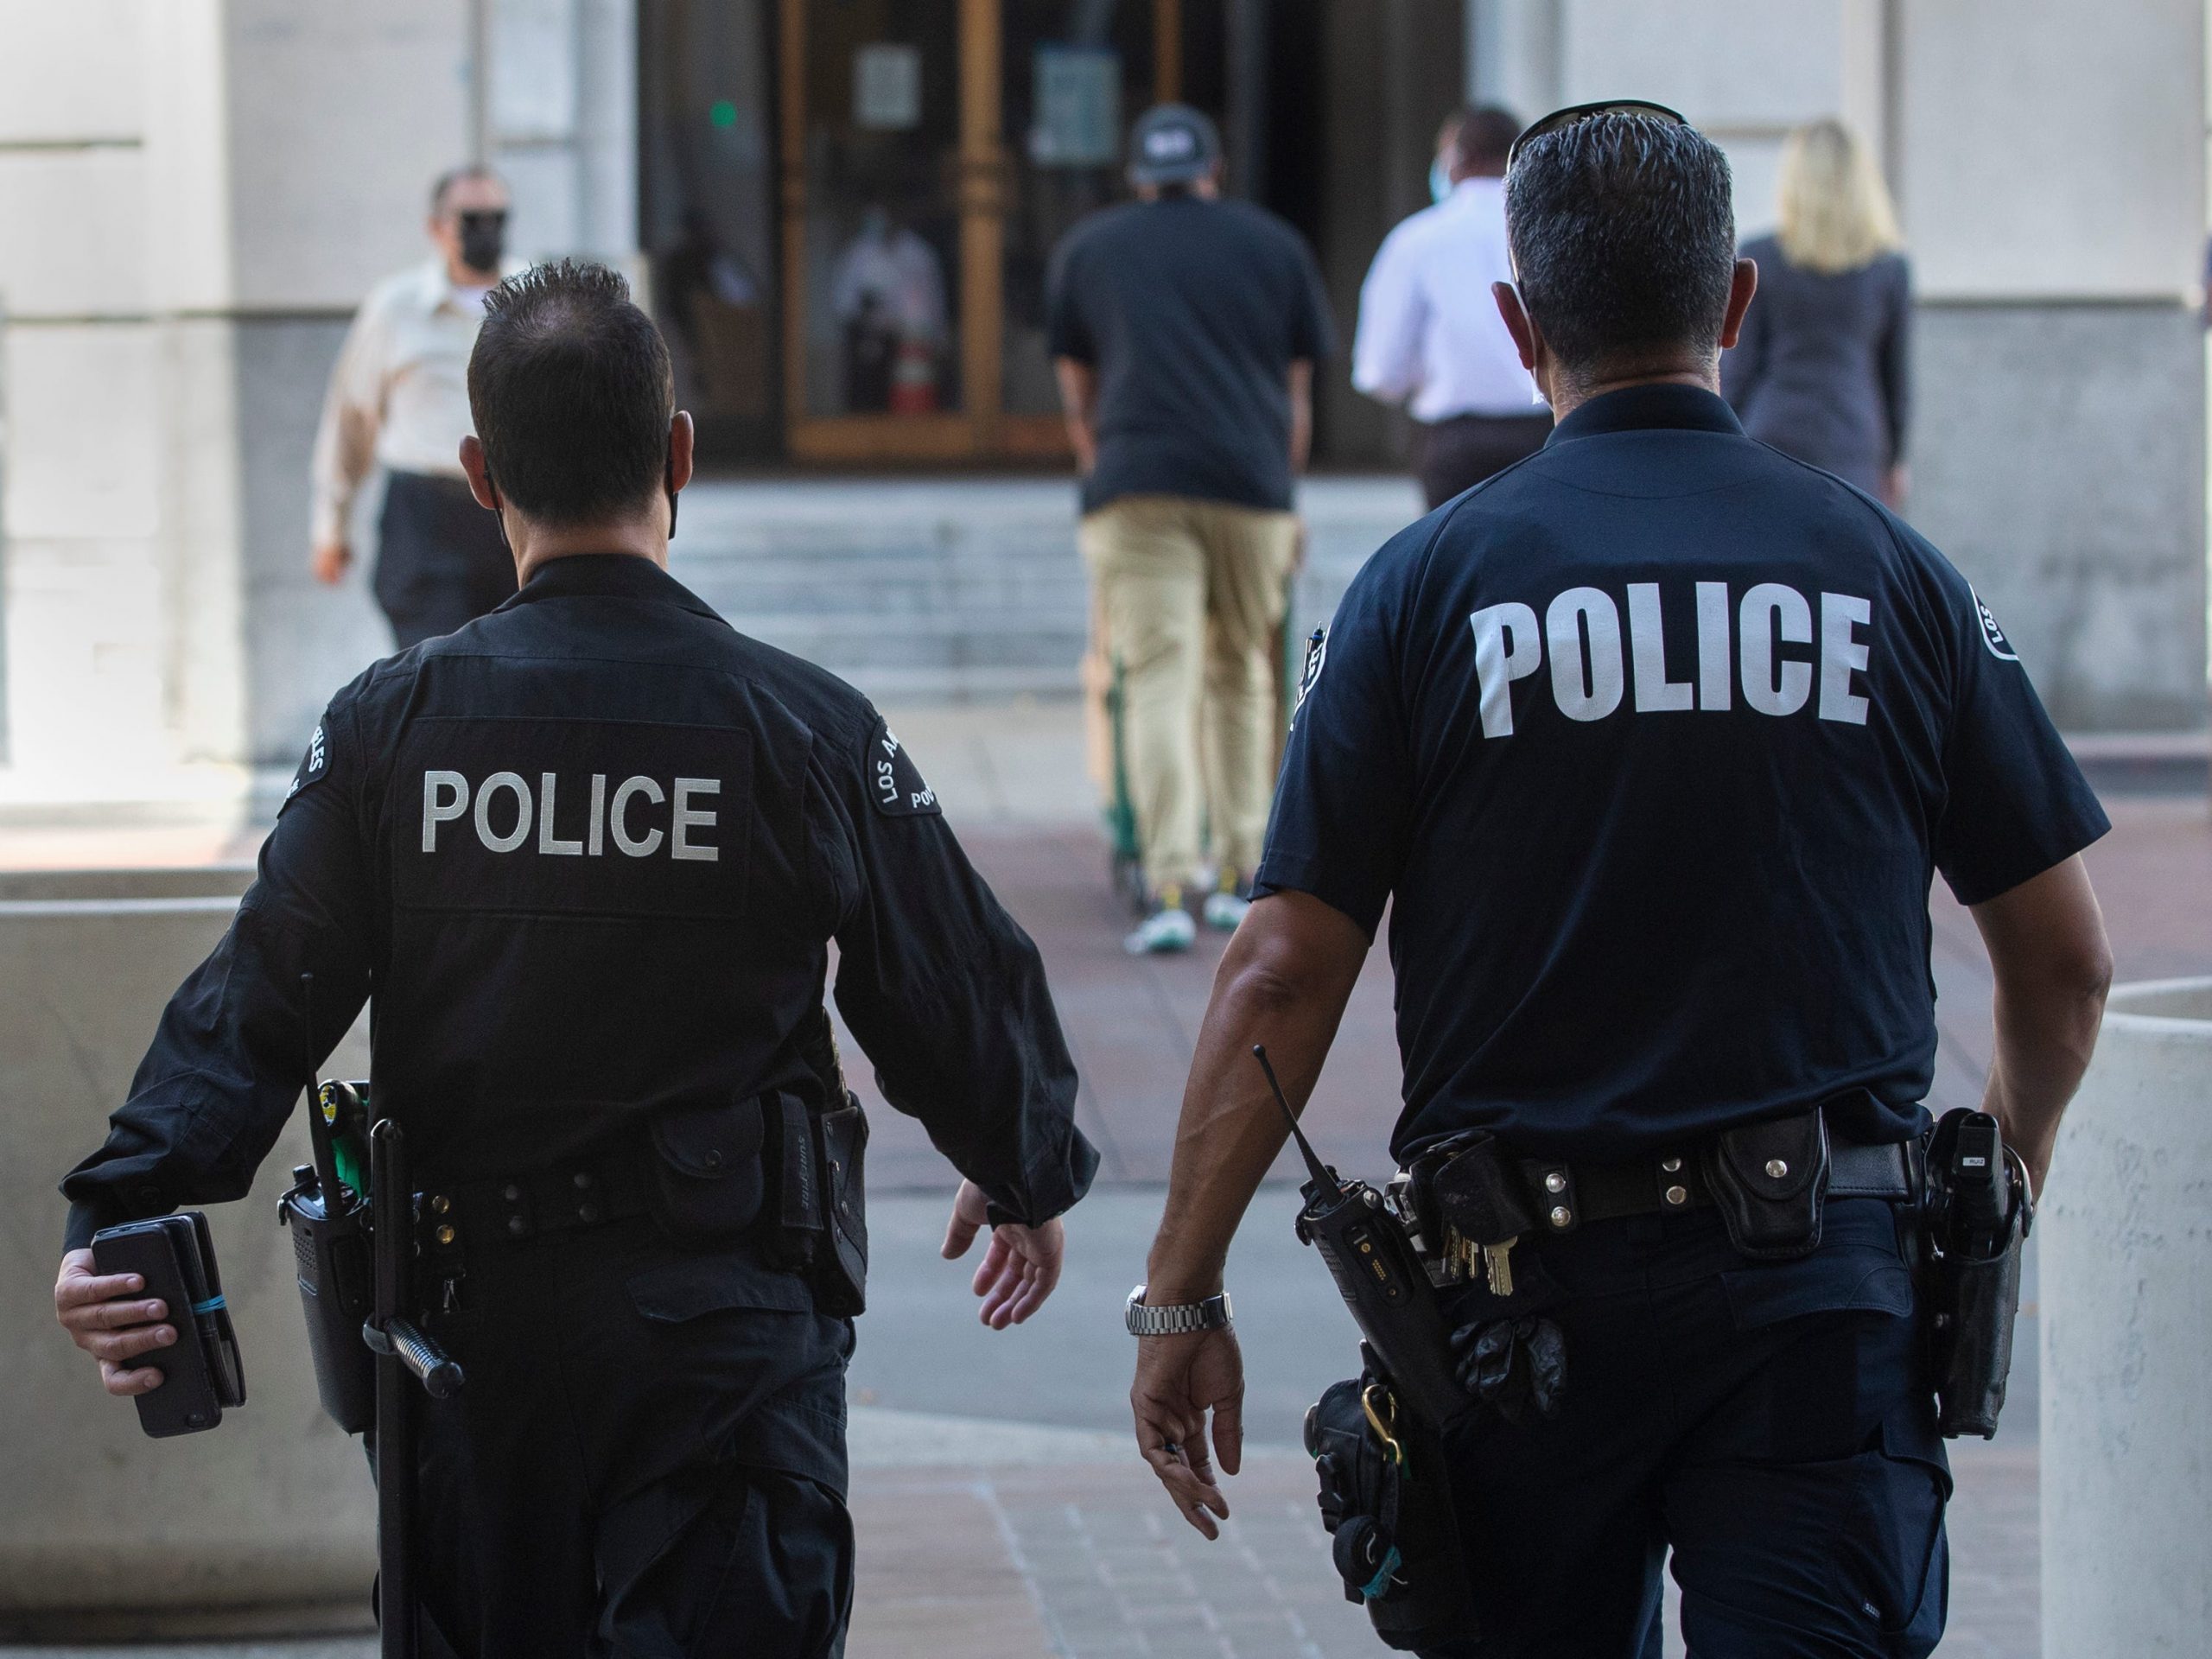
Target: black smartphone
(200,1371)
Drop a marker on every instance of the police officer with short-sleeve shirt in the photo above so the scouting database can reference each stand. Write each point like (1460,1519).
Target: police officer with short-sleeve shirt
(586,854)
(1651,745)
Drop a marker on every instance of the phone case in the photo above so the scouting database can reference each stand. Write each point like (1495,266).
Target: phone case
(200,1369)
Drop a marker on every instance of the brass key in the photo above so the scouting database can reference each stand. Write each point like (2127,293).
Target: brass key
(1498,1265)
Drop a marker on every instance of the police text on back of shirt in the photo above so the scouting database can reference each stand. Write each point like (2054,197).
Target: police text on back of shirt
(1597,666)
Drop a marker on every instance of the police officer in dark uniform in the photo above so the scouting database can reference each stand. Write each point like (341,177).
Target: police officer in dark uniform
(586,856)
(1651,745)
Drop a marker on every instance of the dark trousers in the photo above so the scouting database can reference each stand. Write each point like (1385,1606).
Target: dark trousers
(647,1460)
(440,560)
(1460,453)
(1771,1422)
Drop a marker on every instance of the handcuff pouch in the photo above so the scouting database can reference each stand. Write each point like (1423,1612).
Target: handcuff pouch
(1770,1182)
(707,1169)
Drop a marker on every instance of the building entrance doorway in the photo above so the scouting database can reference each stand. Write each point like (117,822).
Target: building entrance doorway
(850,205)
(856,242)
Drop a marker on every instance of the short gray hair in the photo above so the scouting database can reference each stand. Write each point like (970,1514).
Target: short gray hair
(1622,231)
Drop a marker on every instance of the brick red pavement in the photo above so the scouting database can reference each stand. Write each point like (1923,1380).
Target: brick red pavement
(1086,1560)
(1133,1023)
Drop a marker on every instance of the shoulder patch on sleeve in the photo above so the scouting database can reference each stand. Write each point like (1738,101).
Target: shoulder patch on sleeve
(892,779)
(314,765)
(1991,635)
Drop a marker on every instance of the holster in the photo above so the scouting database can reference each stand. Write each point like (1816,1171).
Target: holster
(1770,1182)
(821,1226)
(1387,1504)
(1974,1300)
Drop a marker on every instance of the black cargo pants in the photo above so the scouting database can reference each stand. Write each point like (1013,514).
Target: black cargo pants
(647,1460)
(1770,1423)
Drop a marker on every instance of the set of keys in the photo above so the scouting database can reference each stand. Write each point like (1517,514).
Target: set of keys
(1495,1262)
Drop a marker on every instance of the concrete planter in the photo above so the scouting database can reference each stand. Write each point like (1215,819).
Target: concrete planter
(2125,1246)
(272,1514)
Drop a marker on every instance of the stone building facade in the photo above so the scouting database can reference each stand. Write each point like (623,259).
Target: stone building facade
(195,193)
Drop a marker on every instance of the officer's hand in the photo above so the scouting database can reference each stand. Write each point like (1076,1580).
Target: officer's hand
(103,1320)
(1019,1270)
(330,562)
(1179,1379)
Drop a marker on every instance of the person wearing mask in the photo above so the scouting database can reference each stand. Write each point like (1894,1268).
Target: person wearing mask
(1429,337)
(1184,330)
(398,399)
(1822,370)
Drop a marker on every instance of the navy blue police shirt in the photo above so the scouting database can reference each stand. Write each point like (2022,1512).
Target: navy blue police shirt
(586,856)
(1652,745)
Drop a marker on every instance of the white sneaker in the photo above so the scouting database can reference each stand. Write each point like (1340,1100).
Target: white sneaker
(1226,910)
(1168,929)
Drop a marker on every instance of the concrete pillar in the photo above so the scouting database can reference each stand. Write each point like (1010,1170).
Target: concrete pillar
(564,123)
(2051,178)
(2125,1256)
(193,195)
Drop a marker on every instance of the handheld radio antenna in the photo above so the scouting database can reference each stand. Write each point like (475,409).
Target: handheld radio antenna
(319,1136)
(1319,1170)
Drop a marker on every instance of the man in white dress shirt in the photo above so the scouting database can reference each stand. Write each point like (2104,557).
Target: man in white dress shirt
(398,399)
(1429,334)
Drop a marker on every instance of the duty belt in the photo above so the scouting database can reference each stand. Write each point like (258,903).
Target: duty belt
(1568,1194)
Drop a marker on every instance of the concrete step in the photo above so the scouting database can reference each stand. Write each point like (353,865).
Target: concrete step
(953,589)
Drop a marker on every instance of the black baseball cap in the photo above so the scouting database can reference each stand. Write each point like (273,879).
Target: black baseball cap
(1172,143)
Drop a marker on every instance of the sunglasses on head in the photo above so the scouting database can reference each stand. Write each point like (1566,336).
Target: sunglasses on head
(1574,113)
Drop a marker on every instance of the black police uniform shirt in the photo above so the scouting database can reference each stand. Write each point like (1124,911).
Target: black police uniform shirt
(1652,744)
(1191,311)
(588,855)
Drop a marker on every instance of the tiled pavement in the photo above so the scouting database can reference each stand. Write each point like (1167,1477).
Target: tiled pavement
(1069,1551)
(1086,1561)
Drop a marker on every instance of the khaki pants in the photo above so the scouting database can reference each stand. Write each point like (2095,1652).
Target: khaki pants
(1188,596)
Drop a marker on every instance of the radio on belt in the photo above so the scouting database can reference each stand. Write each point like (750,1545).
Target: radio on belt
(1380,1278)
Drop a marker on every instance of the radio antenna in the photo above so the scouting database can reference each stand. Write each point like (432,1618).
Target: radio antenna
(1319,1170)
(319,1133)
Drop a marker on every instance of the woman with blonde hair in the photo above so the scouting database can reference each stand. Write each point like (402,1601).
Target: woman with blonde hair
(1820,370)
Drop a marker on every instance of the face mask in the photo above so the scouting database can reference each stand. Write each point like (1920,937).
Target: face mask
(483,240)
(1439,180)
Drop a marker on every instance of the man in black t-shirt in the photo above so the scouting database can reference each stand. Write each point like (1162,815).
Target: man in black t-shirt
(1651,745)
(1184,329)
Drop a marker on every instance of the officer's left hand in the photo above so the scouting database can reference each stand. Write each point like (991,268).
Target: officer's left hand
(1020,1267)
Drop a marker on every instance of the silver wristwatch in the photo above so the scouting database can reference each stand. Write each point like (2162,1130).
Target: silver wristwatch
(1177,1320)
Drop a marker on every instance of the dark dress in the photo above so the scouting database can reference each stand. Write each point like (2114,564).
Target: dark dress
(1820,370)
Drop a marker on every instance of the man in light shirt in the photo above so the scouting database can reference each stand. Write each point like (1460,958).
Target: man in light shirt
(1429,334)
(398,399)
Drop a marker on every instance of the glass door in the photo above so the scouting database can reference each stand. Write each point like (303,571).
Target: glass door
(916,237)
(1075,74)
(873,325)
